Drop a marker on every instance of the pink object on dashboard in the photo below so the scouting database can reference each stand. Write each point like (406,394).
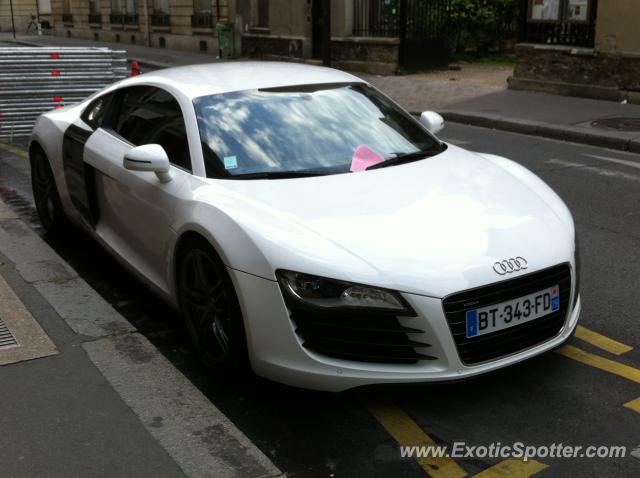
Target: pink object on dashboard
(363,158)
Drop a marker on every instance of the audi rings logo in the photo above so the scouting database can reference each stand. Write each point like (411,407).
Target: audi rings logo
(514,264)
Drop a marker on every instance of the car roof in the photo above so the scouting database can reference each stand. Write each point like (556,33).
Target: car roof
(223,77)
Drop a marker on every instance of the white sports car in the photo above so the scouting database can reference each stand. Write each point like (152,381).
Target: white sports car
(309,227)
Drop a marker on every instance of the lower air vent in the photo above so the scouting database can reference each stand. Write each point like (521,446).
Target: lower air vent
(361,337)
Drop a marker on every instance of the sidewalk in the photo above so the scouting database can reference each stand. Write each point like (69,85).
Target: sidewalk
(84,394)
(477,95)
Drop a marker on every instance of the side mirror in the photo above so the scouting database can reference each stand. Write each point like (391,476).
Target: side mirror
(432,121)
(148,157)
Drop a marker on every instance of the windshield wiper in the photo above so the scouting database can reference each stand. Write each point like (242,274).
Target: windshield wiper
(400,158)
(282,174)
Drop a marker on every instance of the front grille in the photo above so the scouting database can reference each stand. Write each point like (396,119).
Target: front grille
(515,339)
(357,336)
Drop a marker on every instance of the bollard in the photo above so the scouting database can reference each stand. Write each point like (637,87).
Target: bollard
(135,68)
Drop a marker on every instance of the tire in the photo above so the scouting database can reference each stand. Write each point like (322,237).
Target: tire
(45,193)
(210,308)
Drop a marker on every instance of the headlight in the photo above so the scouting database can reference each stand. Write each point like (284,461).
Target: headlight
(334,294)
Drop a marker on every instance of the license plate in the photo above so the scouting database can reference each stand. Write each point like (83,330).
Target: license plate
(513,312)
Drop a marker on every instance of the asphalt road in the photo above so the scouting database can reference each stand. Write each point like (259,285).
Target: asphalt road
(551,399)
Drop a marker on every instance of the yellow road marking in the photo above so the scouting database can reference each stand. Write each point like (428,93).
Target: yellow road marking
(512,468)
(15,150)
(605,343)
(634,405)
(602,363)
(407,433)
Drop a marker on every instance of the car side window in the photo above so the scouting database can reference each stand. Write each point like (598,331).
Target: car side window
(151,115)
(94,114)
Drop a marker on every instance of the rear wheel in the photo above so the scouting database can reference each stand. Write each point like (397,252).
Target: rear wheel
(45,193)
(210,307)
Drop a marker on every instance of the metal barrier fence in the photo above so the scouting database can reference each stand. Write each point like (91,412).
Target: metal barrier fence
(36,80)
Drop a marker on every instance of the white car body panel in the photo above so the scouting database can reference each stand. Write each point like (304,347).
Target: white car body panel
(426,229)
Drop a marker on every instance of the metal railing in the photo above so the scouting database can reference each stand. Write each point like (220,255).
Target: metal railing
(36,80)
(124,19)
(202,20)
(67,18)
(161,20)
(376,18)
(131,19)
(95,18)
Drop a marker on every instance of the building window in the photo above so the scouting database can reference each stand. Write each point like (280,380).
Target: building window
(66,12)
(161,17)
(202,14)
(124,12)
(263,14)
(259,17)
(132,12)
(94,11)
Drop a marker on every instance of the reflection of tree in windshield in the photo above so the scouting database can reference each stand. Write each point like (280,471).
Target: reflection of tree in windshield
(302,128)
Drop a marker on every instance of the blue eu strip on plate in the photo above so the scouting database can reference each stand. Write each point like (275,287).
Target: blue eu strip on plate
(472,323)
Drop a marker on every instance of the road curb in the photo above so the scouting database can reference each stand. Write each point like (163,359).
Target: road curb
(573,134)
(200,439)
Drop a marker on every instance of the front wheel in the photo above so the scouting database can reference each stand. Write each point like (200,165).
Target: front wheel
(210,308)
(45,193)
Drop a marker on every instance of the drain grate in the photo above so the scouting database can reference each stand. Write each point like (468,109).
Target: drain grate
(6,337)
(618,124)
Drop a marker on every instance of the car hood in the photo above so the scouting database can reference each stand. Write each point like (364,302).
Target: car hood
(430,227)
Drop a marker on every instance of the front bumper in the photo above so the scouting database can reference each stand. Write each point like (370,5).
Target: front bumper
(276,352)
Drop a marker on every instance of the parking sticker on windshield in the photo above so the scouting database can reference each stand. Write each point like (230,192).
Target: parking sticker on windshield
(230,162)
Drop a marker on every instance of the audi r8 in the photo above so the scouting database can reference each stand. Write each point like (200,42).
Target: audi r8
(308,227)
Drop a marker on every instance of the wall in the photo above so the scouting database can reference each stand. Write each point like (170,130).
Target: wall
(22,11)
(617,27)
(288,17)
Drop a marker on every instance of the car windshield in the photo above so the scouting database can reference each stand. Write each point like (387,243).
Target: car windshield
(314,129)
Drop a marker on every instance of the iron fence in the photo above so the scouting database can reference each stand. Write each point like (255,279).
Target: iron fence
(376,18)
(36,80)
(437,28)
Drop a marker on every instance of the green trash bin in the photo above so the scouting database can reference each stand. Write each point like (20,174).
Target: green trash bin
(225,39)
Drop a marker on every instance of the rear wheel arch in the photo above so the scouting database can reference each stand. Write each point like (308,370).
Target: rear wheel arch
(34,148)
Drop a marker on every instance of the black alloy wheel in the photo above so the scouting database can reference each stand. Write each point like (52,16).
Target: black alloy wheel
(210,308)
(45,193)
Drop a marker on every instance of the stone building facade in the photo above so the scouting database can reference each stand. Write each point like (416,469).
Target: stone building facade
(269,29)
(177,24)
